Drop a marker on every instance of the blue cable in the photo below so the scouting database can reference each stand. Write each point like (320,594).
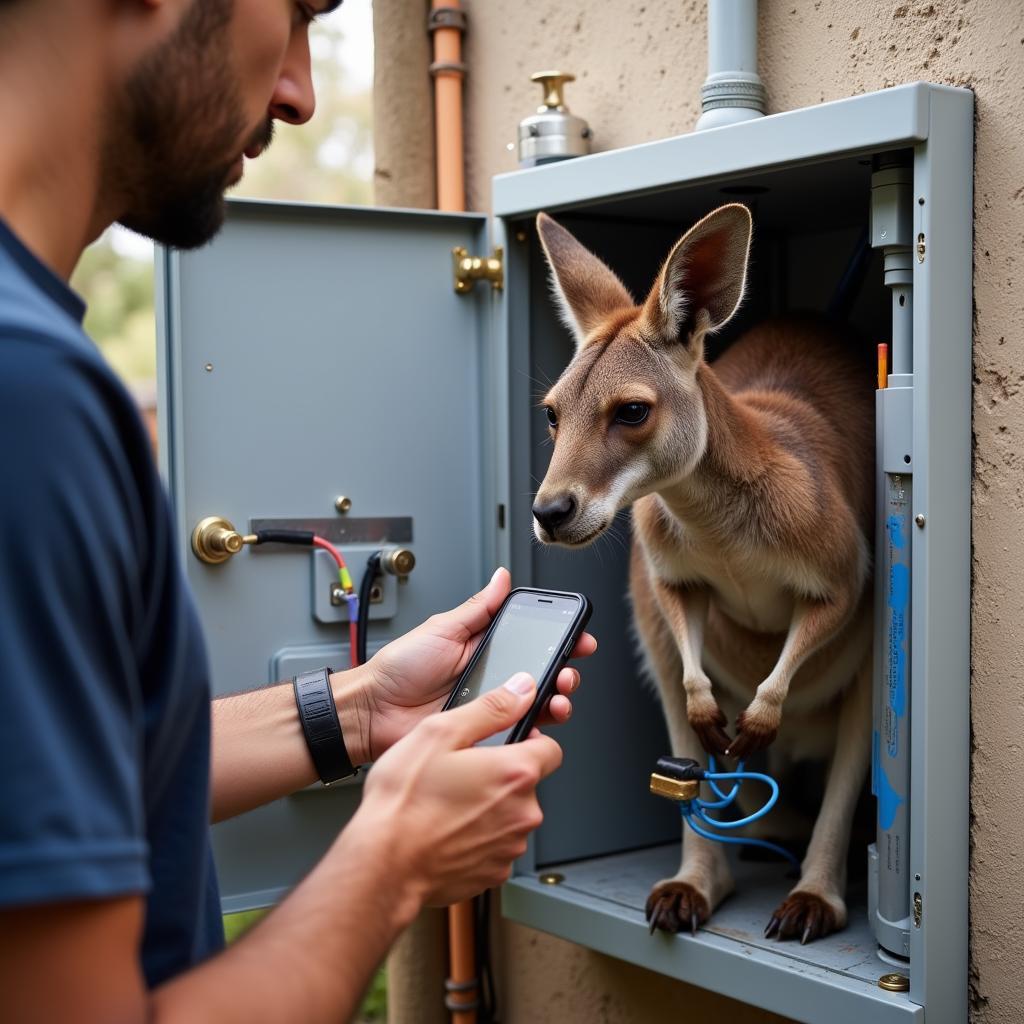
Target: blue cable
(697,808)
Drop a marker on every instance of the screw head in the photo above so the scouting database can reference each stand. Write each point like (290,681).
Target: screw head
(208,367)
(551,878)
(342,504)
(894,982)
(920,521)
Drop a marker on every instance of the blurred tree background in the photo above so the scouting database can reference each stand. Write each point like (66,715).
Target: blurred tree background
(330,160)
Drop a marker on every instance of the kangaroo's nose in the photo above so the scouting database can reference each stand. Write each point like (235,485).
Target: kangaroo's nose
(553,514)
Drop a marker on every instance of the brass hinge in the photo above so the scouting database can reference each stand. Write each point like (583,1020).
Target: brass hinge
(470,269)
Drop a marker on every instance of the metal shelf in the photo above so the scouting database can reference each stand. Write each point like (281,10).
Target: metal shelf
(600,905)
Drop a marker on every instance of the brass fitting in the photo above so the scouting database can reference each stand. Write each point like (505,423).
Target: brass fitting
(674,789)
(399,562)
(215,540)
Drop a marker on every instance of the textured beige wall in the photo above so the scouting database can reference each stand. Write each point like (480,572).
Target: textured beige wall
(640,65)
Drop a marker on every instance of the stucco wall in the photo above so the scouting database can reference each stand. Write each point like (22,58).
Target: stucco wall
(639,66)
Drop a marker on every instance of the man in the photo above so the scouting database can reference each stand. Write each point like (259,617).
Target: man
(143,111)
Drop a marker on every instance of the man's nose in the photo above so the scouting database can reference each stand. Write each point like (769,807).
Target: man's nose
(294,99)
(555,513)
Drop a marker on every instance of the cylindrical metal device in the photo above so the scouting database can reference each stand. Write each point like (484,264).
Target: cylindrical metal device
(552,133)
(889,890)
(891,768)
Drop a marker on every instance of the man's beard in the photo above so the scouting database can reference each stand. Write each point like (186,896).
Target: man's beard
(179,132)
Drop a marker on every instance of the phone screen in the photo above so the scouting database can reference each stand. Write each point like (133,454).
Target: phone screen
(529,635)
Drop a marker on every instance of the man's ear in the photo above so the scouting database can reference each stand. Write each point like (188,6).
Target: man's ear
(584,288)
(701,283)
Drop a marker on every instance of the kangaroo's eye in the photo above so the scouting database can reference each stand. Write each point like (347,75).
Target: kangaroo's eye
(552,418)
(632,414)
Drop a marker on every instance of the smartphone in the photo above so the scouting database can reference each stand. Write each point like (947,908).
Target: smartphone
(534,631)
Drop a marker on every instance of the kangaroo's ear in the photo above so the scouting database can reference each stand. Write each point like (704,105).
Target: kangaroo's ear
(585,289)
(701,284)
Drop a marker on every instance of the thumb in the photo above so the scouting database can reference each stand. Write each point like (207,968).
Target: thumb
(496,710)
(475,614)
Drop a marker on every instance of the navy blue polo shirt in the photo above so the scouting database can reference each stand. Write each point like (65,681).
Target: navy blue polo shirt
(104,684)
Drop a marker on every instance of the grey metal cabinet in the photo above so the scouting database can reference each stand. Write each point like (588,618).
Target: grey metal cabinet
(311,352)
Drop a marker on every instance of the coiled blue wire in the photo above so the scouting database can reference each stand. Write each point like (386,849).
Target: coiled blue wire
(697,808)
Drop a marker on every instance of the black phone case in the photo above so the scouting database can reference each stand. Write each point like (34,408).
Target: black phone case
(545,686)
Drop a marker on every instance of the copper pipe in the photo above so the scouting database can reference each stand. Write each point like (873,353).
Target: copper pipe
(463,989)
(448,71)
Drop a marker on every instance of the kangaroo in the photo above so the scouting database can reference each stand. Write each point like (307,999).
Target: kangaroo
(751,485)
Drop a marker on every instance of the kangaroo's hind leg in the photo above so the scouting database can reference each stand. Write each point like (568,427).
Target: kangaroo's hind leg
(817,905)
(703,880)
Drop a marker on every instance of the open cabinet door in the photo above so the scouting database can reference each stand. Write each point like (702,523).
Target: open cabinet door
(308,353)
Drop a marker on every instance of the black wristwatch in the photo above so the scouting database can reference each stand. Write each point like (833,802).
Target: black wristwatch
(319,717)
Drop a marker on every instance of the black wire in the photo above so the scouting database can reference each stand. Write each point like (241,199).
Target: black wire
(370,574)
(301,537)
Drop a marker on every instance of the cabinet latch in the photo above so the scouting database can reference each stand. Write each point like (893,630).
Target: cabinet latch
(470,269)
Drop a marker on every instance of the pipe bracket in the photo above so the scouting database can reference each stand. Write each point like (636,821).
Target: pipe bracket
(446,17)
(447,67)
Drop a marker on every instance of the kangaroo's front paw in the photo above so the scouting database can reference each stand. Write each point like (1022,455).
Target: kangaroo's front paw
(674,905)
(807,915)
(756,728)
(707,720)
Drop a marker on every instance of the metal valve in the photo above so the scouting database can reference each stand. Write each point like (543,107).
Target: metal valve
(398,561)
(552,82)
(552,133)
(215,540)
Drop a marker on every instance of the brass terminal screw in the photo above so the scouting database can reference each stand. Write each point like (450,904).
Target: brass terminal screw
(342,504)
(215,540)
(551,878)
(894,982)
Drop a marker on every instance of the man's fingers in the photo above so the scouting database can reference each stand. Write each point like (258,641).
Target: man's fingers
(585,646)
(558,711)
(547,752)
(568,681)
(496,710)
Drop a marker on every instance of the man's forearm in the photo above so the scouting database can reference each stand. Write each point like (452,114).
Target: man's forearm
(258,751)
(311,959)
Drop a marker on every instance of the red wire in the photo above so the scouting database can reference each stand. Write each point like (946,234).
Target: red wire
(353,637)
(353,625)
(331,550)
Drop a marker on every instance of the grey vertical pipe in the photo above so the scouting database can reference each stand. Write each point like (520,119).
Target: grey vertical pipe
(732,91)
(889,882)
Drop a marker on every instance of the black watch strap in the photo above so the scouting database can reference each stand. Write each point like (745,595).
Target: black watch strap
(319,717)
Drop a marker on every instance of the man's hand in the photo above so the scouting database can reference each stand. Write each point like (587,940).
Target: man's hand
(410,678)
(452,816)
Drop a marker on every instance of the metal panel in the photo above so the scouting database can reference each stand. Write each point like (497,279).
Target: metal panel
(941,641)
(870,123)
(312,352)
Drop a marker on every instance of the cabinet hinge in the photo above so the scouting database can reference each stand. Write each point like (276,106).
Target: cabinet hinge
(470,269)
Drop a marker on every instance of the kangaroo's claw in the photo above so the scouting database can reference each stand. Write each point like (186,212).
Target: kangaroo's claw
(673,906)
(803,915)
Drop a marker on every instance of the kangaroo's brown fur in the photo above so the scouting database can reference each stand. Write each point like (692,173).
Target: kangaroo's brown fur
(752,491)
